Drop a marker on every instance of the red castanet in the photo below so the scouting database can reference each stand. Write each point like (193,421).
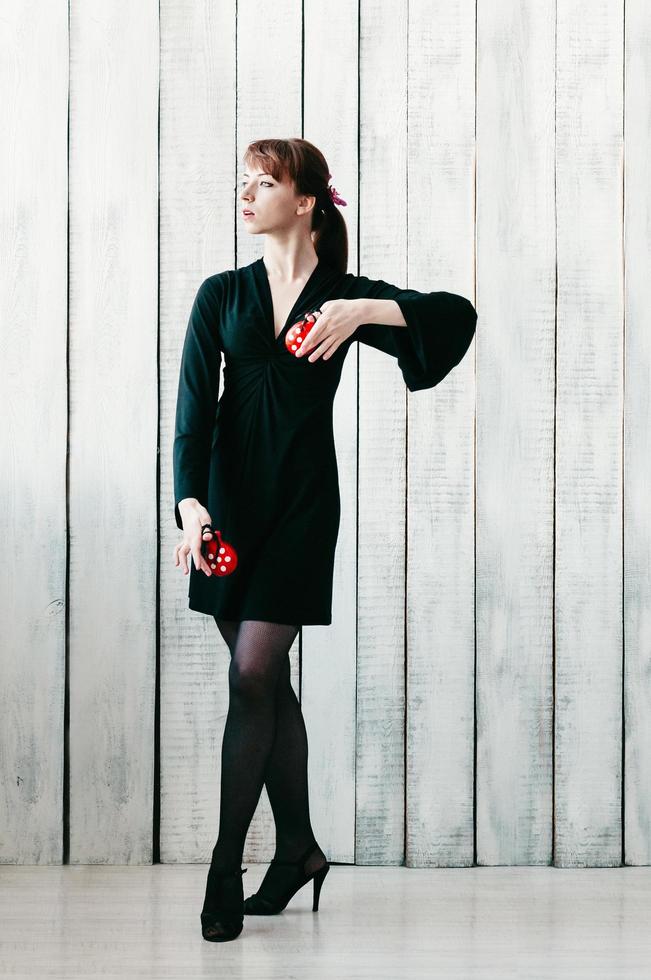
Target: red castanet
(220,555)
(295,336)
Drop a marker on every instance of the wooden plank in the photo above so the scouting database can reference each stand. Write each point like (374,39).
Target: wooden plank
(113,428)
(197,173)
(328,652)
(33,396)
(269,80)
(382,444)
(588,601)
(637,436)
(515,432)
(440,447)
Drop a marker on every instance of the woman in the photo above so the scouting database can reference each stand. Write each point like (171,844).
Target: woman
(262,461)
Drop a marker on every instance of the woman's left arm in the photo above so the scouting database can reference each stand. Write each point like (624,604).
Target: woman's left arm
(427,333)
(384,311)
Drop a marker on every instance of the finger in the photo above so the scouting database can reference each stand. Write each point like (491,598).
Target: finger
(330,351)
(203,564)
(205,567)
(198,560)
(183,558)
(324,346)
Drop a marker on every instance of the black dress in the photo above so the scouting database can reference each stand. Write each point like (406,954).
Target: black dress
(261,459)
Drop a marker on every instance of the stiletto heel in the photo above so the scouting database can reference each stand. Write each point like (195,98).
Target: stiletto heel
(264,902)
(222,917)
(318,881)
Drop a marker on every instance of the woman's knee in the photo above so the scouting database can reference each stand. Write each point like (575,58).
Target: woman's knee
(251,679)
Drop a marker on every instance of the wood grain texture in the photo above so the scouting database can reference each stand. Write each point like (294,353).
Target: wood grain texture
(33,394)
(590,318)
(440,446)
(269,87)
(382,444)
(197,173)
(372,924)
(328,655)
(515,432)
(637,434)
(539,110)
(113,418)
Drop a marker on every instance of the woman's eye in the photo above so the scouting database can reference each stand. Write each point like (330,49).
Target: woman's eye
(268,183)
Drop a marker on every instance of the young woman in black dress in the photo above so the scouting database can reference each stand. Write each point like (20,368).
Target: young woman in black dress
(261,462)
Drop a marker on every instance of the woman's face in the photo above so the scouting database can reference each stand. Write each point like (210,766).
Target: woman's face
(275,204)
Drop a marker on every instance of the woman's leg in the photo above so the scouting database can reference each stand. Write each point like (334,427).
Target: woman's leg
(229,629)
(256,663)
(285,775)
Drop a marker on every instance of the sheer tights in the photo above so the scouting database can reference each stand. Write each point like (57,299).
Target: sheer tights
(264,743)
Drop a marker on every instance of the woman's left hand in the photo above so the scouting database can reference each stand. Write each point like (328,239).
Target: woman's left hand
(337,321)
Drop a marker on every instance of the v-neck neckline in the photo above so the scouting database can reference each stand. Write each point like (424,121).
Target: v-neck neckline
(269,298)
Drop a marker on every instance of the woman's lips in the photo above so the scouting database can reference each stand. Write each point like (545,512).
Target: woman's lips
(248,214)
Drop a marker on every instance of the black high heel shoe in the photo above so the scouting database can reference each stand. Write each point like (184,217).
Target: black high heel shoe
(222,917)
(274,893)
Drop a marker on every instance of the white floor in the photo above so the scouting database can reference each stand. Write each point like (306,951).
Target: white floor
(526,922)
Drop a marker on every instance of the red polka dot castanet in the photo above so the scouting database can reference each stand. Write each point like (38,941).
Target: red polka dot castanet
(220,555)
(298,332)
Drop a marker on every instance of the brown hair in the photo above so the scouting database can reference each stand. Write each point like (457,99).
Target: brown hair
(305,165)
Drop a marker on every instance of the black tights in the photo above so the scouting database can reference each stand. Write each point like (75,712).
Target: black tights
(264,743)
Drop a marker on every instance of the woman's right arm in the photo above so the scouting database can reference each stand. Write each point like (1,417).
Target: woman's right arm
(196,406)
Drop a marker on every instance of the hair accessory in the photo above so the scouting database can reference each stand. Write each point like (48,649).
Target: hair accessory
(220,555)
(333,194)
(335,197)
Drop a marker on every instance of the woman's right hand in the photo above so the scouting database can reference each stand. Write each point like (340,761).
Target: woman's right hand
(193,515)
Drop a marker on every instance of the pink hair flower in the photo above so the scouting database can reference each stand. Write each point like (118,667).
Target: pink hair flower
(335,197)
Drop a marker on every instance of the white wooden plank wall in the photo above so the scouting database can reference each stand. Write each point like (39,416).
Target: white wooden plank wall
(197,150)
(112,428)
(637,434)
(484,692)
(382,444)
(440,496)
(329,669)
(515,432)
(268,98)
(33,405)
(589,408)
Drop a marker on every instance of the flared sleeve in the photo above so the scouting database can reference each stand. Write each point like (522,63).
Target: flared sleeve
(197,397)
(440,328)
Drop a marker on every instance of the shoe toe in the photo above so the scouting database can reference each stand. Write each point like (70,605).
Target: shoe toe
(219,932)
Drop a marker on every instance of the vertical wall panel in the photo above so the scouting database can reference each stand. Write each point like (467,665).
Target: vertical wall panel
(562,522)
(328,661)
(269,89)
(440,446)
(197,162)
(382,444)
(515,430)
(588,598)
(113,419)
(637,434)
(33,395)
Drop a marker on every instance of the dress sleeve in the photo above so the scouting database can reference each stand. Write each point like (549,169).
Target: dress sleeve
(196,403)
(440,328)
